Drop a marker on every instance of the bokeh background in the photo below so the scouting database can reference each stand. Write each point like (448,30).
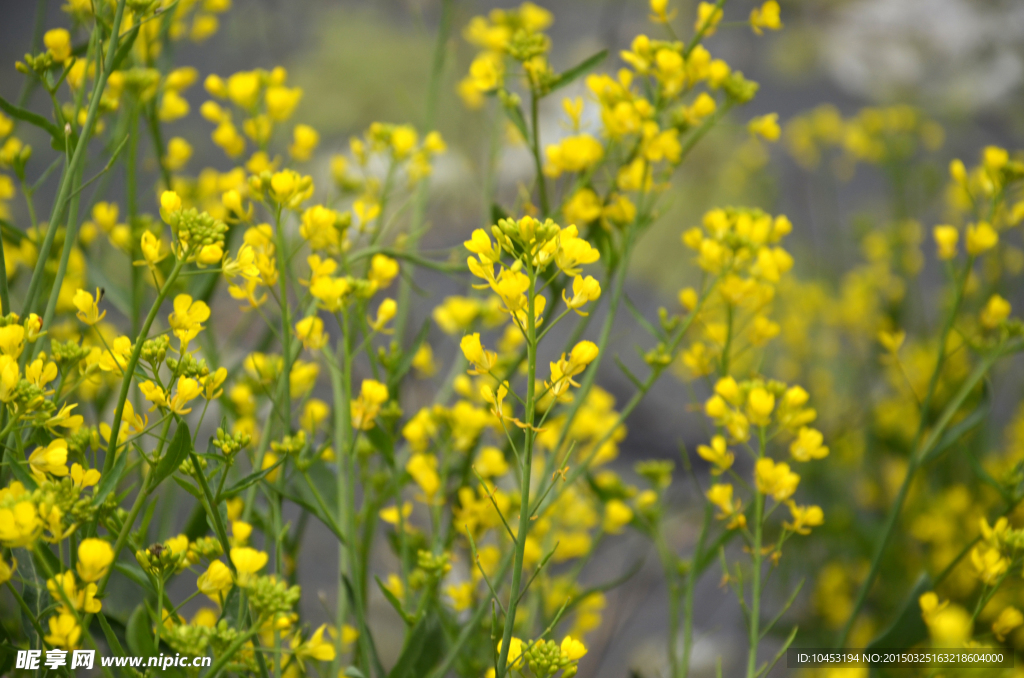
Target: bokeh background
(960,62)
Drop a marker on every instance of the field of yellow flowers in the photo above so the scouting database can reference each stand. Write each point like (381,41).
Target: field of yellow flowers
(201,368)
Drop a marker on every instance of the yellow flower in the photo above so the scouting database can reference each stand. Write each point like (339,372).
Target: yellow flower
(775,480)
(64,631)
(980,238)
(717,454)
(94,559)
(765,126)
(765,16)
(315,648)
(807,445)
(708,16)
(490,462)
(88,307)
(461,595)
(19,524)
(804,518)
(989,563)
(515,651)
(617,515)
(385,312)
(892,341)
(310,332)
(187,318)
(179,152)
(483,361)
(573,154)
(81,600)
(389,514)
(58,44)
(584,290)
(248,561)
(1009,619)
(720,495)
(188,389)
(12,340)
(995,312)
(423,361)
(215,581)
(51,459)
(760,404)
(365,408)
(383,270)
(423,469)
(305,141)
(572,649)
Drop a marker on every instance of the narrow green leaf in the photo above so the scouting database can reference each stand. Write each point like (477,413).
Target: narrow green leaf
(139,633)
(188,487)
(908,629)
(109,481)
(31,118)
(125,47)
(108,633)
(423,649)
(248,481)
(515,114)
(959,430)
(395,602)
(576,71)
(175,454)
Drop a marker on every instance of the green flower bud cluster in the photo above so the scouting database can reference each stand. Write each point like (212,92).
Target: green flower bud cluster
(154,350)
(229,443)
(270,595)
(545,658)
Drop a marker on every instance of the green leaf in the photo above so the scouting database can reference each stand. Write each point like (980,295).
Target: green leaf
(515,114)
(312,507)
(247,481)
(125,47)
(11,232)
(954,433)
(353,672)
(577,70)
(196,526)
(908,629)
(188,487)
(176,453)
(497,213)
(422,651)
(382,442)
(395,602)
(31,118)
(108,633)
(109,481)
(139,633)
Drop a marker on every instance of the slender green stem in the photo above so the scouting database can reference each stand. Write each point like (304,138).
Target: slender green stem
(77,159)
(129,372)
(755,587)
(542,187)
(525,475)
(916,456)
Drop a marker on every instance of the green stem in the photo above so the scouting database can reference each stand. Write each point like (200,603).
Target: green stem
(542,187)
(77,158)
(525,474)
(129,371)
(917,454)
